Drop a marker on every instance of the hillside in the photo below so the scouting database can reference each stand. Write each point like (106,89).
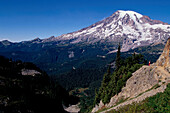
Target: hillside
(158,103)
(144,83)
(24,88)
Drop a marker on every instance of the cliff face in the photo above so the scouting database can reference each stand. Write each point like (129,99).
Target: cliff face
(144,81)
(164,59)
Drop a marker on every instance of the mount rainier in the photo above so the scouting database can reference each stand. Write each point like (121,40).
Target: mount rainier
(127,27)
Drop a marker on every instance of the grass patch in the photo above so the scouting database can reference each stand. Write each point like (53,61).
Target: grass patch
(103,109)
(121,101)
(133,108)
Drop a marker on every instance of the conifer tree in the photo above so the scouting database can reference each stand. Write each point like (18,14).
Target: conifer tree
(97,99)
(106,78)
(118,58)
(105,82)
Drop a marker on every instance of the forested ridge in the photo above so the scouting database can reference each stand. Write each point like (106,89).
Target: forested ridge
(113,82)
(115,78)
(27,93)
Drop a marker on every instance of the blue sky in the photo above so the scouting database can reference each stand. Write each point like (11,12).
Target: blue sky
(28,19)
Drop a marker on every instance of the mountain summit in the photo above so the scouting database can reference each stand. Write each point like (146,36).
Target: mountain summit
(128,27)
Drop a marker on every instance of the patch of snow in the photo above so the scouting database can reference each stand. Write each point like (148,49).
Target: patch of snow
(130,30)
(79,33)
(76,41)
(101,56)
(155,26)
(139,43)
(88,31)
(130,13)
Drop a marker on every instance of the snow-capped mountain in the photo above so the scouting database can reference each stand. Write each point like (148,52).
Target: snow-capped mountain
(89,47)
(127,27)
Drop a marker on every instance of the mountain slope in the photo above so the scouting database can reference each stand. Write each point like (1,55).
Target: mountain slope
(24,88)
(145,82)
(143,102)
(128,27)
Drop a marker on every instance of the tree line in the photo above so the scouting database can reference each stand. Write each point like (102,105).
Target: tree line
(114,80)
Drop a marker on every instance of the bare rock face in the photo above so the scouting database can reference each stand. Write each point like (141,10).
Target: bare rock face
(29,72)
(164,59)
(142,80)
(146,19)
(73,109)
(97,107)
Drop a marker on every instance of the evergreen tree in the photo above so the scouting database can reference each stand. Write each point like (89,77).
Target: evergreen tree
(109,70)
(106,98)
(134,58)
(103,90)
(97,99)
(106,78)
(134,54)
(118,58)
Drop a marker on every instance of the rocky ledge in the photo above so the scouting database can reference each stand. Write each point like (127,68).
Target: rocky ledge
(143,83)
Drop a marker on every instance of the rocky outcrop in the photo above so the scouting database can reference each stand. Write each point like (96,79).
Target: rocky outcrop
(72,109)
(146,19)
(164,59)
(29,72)
(141,84)
(98,107)
(140,98)
(142,80)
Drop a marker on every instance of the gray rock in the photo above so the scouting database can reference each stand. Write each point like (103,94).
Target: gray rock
(29,72)
(72,109)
